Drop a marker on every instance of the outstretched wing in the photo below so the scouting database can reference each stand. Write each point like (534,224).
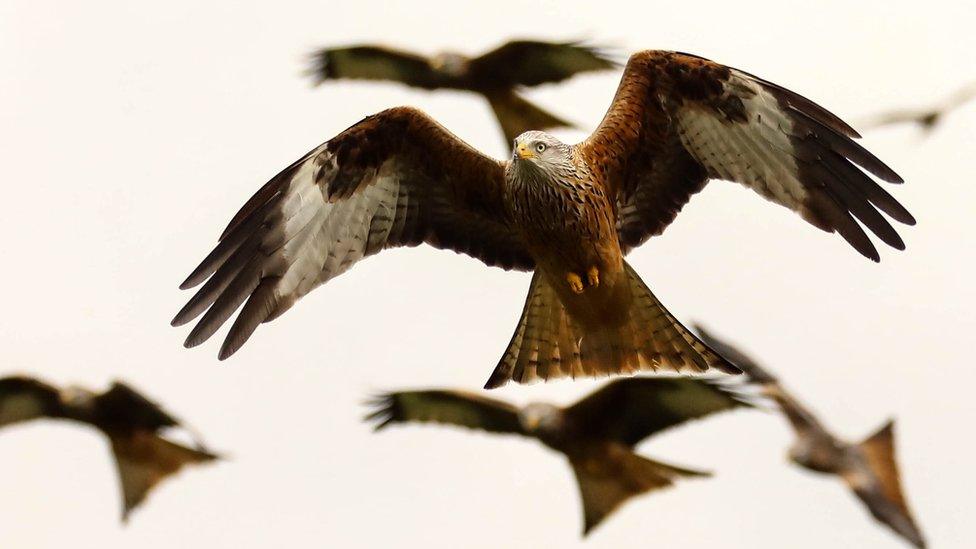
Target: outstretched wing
(530,63)
(450,407)
(629,410)
(374,63)
(24,398)
(803,421)
(124,407)
(679,120)
(396,178)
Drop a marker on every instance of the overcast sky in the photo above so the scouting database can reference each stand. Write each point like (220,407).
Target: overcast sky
(131,132)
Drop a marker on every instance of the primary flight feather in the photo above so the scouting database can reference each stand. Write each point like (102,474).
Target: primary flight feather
(568,212)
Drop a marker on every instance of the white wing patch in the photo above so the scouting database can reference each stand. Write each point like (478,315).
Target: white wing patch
(756,153)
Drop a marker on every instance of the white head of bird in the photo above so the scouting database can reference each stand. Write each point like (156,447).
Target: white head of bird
(540,418)
(542,150)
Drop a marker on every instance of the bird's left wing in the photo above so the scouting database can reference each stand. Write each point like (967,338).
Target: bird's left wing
(24,398)
(397,178)
(530,63)
(629,410)
(448,407)
(678,120)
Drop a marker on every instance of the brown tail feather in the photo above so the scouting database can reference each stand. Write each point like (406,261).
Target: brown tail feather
(609,479)
(144,459)
(548,343)
(516,115)
(879,452)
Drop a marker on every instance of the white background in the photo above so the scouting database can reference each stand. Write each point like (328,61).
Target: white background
(131,132)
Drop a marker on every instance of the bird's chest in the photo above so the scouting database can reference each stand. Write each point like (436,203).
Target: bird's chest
(557,215)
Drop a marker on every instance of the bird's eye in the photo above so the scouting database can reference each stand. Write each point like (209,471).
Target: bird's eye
(541,147)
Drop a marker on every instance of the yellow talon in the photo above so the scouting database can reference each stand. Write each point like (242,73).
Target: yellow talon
(593,276)
(575,282)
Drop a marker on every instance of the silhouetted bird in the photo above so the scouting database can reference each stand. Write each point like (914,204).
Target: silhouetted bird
(497,74)
(131,422)
(597,434)
(926,118)
(869,467)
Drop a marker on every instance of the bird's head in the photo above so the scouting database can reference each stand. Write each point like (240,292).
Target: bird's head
(541,418)
(450,63)
(541,150)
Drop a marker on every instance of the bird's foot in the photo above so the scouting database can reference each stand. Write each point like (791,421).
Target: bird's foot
(575,282)
(593,276)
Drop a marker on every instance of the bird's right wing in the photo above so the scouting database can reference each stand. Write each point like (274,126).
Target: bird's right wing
(374,63)
(530,63)
(448,407)
(628,410)
(397,178)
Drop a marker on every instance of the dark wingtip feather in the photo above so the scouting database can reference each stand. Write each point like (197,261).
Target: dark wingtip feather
(382,411)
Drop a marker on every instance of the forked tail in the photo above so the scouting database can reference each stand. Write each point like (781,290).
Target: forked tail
(548,343)
(890,508)
(606,482)
(144,459)
(517,115)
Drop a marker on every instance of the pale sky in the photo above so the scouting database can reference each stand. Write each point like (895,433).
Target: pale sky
(131,132)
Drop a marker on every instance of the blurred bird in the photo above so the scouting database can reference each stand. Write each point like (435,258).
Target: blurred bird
(597,434)
(569,212)
(496,75)
(927,118)
(868,467)
(132,423)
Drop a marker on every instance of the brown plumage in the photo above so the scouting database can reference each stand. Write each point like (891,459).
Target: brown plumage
(570,213)
(597,434)
(496,75)
(132,423)
(868,468)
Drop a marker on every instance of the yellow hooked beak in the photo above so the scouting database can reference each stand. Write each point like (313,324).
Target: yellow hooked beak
(524,152)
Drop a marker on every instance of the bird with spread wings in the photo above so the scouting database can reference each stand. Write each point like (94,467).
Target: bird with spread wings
(597,434)
(868,467)
(496,75)
(569,213)
(133,424)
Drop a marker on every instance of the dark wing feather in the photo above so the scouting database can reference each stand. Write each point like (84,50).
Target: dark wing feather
(124,408)
(448,407)
(375,63)
(530,63)
(24,398)
(396,178)
(804,422)
(629,410)
(678,120)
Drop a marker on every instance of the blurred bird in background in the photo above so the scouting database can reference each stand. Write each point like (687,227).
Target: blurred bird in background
(133,424)
(868,468)
(498,75)
(925,118)
(596,434)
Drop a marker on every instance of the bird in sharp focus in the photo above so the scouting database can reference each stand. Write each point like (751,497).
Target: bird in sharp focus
(569,213)
(497,75)
(596,434)
(133,424)
(868,467)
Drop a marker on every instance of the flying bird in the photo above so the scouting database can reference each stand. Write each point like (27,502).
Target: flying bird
(497,75)
(926,118)
(568,212)
(868,468)
(132,423)
(597,434)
